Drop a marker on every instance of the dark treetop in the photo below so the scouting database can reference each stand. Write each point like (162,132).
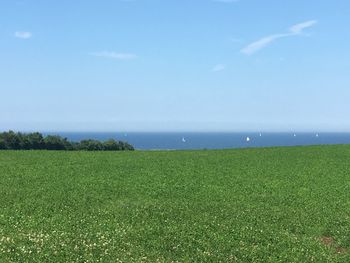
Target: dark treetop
(36,141)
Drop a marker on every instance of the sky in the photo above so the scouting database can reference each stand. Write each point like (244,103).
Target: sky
(175,65)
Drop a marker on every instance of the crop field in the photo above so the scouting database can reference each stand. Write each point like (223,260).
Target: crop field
(248,205)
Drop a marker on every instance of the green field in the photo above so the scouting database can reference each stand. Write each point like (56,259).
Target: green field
(249,205)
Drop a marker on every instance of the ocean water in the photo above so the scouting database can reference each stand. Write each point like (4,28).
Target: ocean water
(192,140)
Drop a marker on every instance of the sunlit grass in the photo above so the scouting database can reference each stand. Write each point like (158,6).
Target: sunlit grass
(250,205)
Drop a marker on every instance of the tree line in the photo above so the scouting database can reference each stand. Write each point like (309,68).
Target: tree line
(36,141)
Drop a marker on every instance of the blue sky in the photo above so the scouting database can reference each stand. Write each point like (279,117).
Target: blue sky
(189,65)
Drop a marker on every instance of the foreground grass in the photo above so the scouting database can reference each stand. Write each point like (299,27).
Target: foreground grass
(252,205)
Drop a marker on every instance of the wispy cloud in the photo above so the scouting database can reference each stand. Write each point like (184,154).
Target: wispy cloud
(218,67)
(298,28)
(114,55)
(261,43)
(294,30)
(23,34)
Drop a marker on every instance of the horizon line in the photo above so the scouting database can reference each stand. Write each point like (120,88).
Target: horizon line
(177,131)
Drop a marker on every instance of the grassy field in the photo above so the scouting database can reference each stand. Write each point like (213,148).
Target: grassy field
(250,205)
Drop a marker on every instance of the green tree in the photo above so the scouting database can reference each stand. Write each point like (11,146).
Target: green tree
(36,141)
(124,146)
(54,142)
(111,145)
(2,144)
(90,145)
(12,141)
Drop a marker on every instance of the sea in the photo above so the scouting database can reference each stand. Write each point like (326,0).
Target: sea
(210,140)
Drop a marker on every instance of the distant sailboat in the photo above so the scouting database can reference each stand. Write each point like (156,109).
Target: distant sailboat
(183,139)
(316,134)
(248,139)
(260,134)
(295,135)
